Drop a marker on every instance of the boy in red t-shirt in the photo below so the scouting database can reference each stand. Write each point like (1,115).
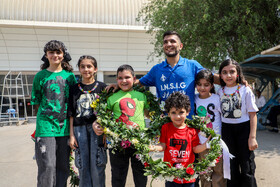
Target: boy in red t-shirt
(178,141)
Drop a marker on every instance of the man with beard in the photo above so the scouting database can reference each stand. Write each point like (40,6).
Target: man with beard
(175,73)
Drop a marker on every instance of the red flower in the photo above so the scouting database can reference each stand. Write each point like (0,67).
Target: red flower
(190,171)
(209,125)
(146,164)
(218,159)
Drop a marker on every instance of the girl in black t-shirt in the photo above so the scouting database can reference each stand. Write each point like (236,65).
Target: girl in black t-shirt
(90,154)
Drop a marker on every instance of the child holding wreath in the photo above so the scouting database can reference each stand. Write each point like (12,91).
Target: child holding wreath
(178,141)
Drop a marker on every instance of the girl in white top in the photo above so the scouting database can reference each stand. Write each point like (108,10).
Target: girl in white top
(239,123)
(207,104)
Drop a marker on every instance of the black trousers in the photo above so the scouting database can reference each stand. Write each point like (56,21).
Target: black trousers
(272,115)
(242,166)
(119,168)
(173,184)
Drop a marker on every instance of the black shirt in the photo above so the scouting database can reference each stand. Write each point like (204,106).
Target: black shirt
(79,102)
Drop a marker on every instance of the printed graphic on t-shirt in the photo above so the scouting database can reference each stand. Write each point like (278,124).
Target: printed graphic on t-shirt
(231,106)
(168,89)
(83,105)
(202,111)
(179,153)
(127,107)
(54,92)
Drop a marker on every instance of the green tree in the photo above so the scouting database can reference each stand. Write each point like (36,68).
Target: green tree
(213,30)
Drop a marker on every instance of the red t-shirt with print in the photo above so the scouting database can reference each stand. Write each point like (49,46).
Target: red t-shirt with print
(179,146)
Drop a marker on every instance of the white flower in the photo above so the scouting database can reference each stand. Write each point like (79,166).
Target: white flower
(161,106)
(194,176)
(134,141)
(169,178)
(160,177)
(202,134)
(213,164)
(130,127)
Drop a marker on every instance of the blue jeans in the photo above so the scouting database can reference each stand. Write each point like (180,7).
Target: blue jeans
(90,159)
(52,157)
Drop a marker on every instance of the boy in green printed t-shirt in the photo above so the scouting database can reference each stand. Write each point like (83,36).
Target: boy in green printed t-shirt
(127,106)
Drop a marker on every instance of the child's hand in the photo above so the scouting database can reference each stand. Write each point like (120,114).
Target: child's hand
(152,147)
(97,128)
(207,145)
(73,142)
(252,143)
(111,86)
(208,139)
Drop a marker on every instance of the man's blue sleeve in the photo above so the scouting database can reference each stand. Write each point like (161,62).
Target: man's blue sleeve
(149,78)
(199,67)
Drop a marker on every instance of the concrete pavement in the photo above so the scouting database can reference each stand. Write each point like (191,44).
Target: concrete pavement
(18,169)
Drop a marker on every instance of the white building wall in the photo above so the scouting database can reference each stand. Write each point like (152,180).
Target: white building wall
(114,12)
(105,29)
(21,47)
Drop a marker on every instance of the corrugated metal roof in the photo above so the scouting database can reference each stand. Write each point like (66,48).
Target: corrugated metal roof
(113,12)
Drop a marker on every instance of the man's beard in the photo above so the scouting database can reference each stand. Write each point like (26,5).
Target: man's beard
(173,54)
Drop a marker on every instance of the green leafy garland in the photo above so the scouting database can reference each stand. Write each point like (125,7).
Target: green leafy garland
(121,137)
(74,177)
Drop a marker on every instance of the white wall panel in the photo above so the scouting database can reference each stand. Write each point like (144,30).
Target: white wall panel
(113,40)
(116,12)
(83,38)
(113,33)
(47,31)
(81,32)
(143,52)
(84,51)
(19,37)
(46,38)
(86,45)
(24,57)
(3,50)
(113,46)
(137,59)
(139,46)
(139,40)
(113,52)
(113,58)
(10,30)
(23,50)
(22,43)
(3,56)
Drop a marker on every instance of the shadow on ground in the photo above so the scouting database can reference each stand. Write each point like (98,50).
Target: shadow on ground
(269,144)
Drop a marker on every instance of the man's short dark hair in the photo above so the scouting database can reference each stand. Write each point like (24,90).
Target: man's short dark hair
(177,100)
(167,33)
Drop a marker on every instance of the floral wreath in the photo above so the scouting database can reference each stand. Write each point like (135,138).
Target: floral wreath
(120,137)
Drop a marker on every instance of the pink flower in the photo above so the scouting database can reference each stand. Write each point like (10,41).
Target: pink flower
(125,144)
(137,156)
(209,125)
(178,166)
